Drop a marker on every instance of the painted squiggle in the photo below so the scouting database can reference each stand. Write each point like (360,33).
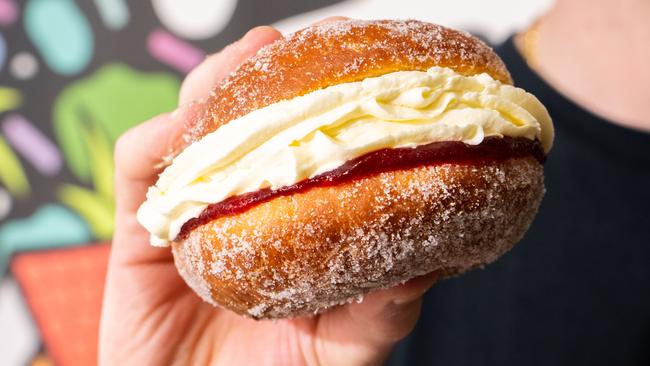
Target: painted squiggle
(114,13)
(10,98)
(174,52)
(3,51)
(32,144)
(194,19)
(23,66)
(12,174)
(61,33)
(8,12)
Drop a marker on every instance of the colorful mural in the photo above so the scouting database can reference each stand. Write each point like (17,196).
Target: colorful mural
(74,75)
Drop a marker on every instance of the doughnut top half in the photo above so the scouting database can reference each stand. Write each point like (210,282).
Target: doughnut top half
(334,53)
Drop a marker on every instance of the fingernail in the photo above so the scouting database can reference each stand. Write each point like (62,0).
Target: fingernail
(183,109)
(332,19)
(413,297)
(406,300)
(257,30)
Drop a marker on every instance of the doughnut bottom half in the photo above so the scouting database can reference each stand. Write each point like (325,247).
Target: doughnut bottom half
(303,253)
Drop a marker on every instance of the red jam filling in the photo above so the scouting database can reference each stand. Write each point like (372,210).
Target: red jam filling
(492,149)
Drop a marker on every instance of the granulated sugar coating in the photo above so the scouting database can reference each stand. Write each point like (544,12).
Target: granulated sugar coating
(340,52)
(303,253)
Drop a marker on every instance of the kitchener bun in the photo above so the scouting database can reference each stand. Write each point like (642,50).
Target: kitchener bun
(302,253)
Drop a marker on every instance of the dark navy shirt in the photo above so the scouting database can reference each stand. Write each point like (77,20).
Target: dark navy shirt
(576,289)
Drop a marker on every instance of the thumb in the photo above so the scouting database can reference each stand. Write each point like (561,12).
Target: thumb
(203,78)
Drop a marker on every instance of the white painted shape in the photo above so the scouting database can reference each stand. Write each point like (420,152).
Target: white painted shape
(495,19)
(19,339)
(194,19)
(23,66)
(114,13)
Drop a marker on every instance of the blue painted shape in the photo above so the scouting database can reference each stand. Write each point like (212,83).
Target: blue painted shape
(3,51)
(61,34)
(51,226)
(114,13)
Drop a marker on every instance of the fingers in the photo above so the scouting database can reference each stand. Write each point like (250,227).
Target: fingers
(203,78)
(364,333)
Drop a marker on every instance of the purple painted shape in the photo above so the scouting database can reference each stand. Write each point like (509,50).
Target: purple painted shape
(174,52)
(8,12)
(32,144)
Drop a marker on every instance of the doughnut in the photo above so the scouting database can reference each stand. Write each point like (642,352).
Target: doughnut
(349,157)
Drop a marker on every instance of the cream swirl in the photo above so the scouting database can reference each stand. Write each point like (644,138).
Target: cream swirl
(292,140)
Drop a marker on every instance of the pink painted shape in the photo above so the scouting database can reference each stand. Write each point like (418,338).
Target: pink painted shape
(173,51)
(32,144)
(8,12)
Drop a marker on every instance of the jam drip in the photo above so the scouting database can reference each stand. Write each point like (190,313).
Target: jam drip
(492,149)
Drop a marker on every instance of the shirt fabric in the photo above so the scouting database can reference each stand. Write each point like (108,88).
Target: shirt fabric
(576,289)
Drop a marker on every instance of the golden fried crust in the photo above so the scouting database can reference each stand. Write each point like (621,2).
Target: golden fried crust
(302,253)
(341,52)
(305,252)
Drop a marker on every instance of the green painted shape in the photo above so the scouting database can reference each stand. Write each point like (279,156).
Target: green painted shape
(95,206)
(12,174)
(97,210)
(51,226)
(114,98)
(61,34)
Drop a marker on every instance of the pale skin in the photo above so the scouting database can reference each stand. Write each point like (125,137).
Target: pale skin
(151,317)
(596,52)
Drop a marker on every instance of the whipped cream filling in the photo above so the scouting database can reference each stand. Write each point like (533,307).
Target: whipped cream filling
(292,140)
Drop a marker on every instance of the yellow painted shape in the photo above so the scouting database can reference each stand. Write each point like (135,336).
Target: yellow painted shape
(92,206)
(12,174)
(100,154)
(10,99)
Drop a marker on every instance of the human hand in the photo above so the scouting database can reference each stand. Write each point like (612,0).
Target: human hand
(151,317)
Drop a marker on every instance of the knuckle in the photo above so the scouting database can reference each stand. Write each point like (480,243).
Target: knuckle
(123,146)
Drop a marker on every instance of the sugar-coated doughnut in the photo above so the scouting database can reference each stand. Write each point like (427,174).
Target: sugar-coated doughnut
(349,157)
